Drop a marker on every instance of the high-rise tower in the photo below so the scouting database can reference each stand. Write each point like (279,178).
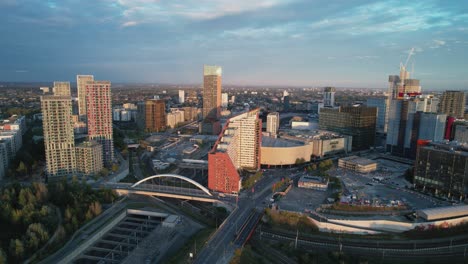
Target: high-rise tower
(452,103)
(181,96)
(273,122)
(99,116)
(62,88)
(329,96)
(155,115)
(211,92)
(59,140)
(81,81)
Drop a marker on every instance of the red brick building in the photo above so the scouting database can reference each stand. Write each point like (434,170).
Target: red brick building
(237,147)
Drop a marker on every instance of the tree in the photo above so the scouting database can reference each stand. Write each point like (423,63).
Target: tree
(115,167)
(104,172)
(22,170)
(16,248)
(3,258)
(95,208)
(40,191)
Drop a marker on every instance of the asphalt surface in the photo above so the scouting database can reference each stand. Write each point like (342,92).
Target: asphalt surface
(220,248)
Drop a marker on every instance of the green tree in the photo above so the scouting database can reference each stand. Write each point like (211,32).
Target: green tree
(16,248)
(3,258)
(26,197)
(21,170)
(104,172)
(115,167)
(40,191)
(95,208)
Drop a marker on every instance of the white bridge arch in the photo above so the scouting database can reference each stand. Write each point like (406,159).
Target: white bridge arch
(201,187)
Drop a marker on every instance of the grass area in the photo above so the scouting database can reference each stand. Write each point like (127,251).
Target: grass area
(364,208)
(247,254)
(194,244)
(205,220)
(251,180)
(289,220)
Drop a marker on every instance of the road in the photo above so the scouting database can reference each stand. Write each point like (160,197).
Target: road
(220,248)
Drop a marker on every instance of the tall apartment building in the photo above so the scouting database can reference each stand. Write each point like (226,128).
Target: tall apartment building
(62,88)
(141,115)
(174,118)
(273,122)
(442,168)
(181,96)
(59,140)
(155,115)
(81,81)
(356,121)
(99,116)
(238,147)
(329,96)
(4,158)
(89,158)
(211,100)
(211,92)
(409,120)
(224,100)
(190,113)
(452,103)
(382,118)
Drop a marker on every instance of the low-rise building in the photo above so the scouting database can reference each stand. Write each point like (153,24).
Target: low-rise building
(279,151)
(313,182)
(357,164)
(14,123)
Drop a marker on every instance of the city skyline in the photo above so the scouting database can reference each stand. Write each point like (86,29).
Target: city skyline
(159,42)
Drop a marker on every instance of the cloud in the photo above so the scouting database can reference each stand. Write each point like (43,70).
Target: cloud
(437,43)
(387,17)
(130,24)
(156,11)
(263,32)
(367,57)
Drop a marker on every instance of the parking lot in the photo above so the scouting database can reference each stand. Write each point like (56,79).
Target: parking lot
(383,186)
(300,199)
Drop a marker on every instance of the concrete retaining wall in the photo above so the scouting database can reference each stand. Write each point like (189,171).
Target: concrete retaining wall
(93,239)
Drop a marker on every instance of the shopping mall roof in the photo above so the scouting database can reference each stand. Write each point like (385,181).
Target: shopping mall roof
(432,214)
(280,143)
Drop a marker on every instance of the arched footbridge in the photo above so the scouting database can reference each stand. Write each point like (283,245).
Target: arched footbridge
(166,185)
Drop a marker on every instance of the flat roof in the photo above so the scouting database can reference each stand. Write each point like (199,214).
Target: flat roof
(359,160)
(270,142)
(443,212)
(315,179)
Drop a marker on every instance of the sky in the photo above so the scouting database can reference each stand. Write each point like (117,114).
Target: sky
(343,43)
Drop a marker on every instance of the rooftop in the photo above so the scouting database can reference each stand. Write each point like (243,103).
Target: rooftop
(315,179)
(279,143)
(443,212)
(359,160)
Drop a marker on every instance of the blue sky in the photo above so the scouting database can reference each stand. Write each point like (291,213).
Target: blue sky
(276,42)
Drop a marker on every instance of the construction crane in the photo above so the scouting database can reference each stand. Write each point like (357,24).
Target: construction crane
(403,67)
